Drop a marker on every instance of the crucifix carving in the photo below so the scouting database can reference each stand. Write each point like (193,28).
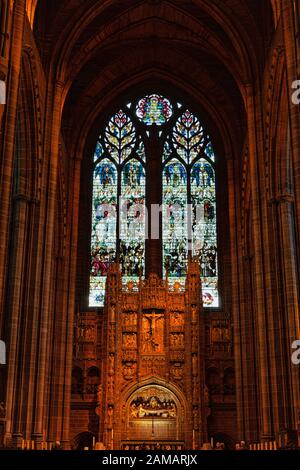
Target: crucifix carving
(151,335)
(153,317)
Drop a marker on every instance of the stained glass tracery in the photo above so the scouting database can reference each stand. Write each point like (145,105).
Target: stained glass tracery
(154,109)
(189,197)
(120,136)
(188,136)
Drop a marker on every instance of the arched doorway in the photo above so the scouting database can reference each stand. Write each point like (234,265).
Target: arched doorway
(83,441)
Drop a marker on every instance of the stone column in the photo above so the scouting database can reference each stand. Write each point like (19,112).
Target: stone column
(236,284)
(290,19)
(8,149)
(292,53)
(46,293)
(59,411)
(255,149)
(16,322)
(290,313)
(70,300)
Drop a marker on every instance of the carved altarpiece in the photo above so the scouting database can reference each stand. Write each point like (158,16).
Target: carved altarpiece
(153,385)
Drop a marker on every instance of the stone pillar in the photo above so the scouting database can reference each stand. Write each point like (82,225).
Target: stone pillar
(70,300)
(59,412)
(8,149)
(290,312)
(243,308)
(17,323)
(254,120)
(239,313)
(46,294)
(292,53)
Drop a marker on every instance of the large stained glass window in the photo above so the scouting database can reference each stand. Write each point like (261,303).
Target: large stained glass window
(123,154)
(189,205)
(118,212)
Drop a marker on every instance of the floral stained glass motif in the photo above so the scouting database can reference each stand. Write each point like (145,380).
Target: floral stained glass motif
(188,137)
(132,233)
(154,109)
(175,221)
(104,225)
(120,137)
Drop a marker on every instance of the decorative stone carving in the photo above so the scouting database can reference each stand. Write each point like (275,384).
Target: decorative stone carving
(129,370)
(177,371)
(177,340)
(195,338)
(110,386)
(110,416)
(177,356)
(112,338)
(195,364)
(98,409)
(153,333)
(147,343)
(129,356)
(153,366)
(177,321)
(194,313)
(129,321)
(152,408)
(196,418)
(129,341)
(111,368)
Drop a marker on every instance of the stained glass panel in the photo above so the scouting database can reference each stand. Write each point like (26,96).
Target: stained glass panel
(132,234)
(104,224)
(167,150)
(203,198)
(154,109)
(140,151)
(188,137)
(210,152)
(120,137)
(175,221)
(98,152)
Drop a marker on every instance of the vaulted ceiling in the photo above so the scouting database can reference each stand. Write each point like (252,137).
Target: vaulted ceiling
(204,50)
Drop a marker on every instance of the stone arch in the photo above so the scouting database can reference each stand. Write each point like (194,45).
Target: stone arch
(225,439)
(92,380)
(31,8)
(30,115)
(276,118)
(213,380)
(77,381)
(82,441)
(229,381)
(171,421)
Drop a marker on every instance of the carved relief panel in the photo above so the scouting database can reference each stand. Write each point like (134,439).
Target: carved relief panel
(152,333)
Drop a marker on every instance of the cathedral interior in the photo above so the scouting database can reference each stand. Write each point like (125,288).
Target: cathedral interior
(150,223)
